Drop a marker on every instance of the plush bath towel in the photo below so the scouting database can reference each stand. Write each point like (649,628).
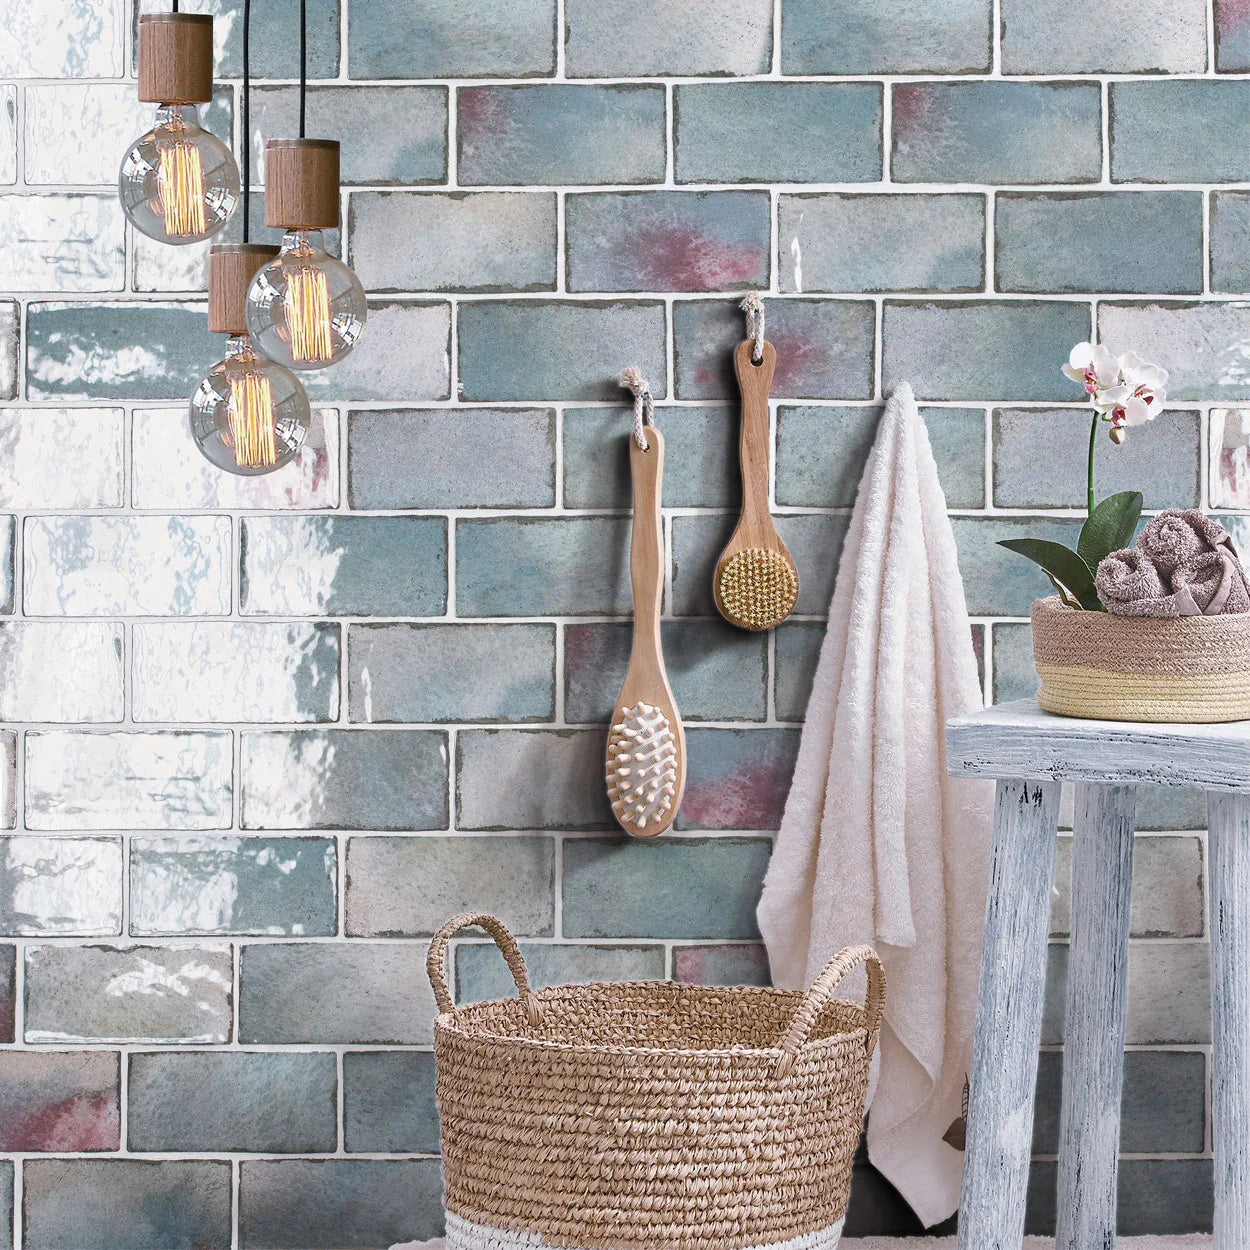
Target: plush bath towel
(877,844)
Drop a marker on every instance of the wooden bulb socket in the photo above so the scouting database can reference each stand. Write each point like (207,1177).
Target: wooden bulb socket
(302,184)
(231,267)
(175,58)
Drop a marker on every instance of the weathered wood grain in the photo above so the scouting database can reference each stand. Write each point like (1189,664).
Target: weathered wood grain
(1228,818)
(1020,740)
(1009,1016)
(1093,1055)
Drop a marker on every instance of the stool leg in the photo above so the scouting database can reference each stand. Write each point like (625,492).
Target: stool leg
(1093,1055)
(1009,1016)
(1228,850)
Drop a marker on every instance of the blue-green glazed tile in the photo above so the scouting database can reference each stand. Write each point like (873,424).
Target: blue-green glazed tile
(273,1104)
(10,341)
(59,1101)
(1232,36)
(278,886)
(1014,674)
(449,39)
(344,565)
(717,672)
(679,888)
(997,132)
(737,779)
(1132,241)
(388,1102)
(777,132)
(736,964)
(824,348)
(585,345)
(797,654)
(1179,130)
(981,349)
(459,672)
(560,134)
(1230,241)
(999,582)
(481,975)
(344,779)
(864,37)
(122,1204)
(667,240)
(6,1204)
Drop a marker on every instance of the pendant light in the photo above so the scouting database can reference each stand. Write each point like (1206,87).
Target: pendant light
(306,309)
(178,183)
(248,415)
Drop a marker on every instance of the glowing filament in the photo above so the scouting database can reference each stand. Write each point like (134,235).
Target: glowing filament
(180,188)
(306,306)
(251,421)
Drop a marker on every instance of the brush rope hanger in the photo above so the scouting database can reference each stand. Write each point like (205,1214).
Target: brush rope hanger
(645,762)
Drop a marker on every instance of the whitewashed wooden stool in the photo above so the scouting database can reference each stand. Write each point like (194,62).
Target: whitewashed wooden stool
(1029,752)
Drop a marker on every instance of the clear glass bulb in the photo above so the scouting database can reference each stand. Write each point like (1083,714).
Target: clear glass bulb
(178,183)
(305,309)
(249,415)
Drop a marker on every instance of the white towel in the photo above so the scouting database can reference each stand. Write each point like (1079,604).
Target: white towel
(877,844)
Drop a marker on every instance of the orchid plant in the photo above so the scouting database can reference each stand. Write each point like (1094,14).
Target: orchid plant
(1125,391)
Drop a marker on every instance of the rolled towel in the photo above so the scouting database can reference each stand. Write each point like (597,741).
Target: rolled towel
(1215,582)
(1176,538)
(1129,585)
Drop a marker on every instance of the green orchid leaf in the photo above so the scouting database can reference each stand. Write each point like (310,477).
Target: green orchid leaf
(1110,527)
(1066,570)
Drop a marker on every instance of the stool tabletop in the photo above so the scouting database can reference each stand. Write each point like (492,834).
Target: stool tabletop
(1019,740)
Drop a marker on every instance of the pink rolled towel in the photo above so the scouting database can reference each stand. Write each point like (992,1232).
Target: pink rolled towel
(1129,585)
(1176,538)
(1215,581)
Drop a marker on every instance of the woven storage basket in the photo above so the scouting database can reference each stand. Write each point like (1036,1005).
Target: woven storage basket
(1186,670)
(650,1115)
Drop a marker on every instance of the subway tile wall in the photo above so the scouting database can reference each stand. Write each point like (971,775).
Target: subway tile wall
(261,736)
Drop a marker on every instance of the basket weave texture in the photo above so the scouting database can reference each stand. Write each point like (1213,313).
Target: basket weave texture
(651,1115)
(1185,670)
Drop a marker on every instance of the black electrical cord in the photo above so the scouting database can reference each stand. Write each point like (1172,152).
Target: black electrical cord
(247,120)
(303,63)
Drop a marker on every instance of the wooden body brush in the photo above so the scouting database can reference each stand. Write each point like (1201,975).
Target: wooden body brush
(645,768)
(755,584)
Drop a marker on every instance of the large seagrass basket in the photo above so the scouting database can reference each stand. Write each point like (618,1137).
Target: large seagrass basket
(1187,670)
(650,1115)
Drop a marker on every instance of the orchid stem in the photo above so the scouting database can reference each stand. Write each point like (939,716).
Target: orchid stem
(1093,444)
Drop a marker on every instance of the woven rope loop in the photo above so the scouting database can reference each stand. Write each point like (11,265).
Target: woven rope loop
(753,306)
(644,406)
(436,968)
(814,1001)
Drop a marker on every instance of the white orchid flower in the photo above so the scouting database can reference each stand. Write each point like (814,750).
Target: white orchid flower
(1093,366)
(1147,383)
(1139,372)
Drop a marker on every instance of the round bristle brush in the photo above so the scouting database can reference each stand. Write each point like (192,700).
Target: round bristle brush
(755,584)
(645,764)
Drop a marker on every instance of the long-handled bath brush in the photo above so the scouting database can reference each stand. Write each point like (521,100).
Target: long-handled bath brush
(645,765)
(755,584)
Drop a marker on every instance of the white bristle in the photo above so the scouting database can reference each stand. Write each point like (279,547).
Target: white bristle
(642,768)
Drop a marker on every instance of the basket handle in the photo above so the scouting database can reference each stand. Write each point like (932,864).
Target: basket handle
(436,967)
(846,960)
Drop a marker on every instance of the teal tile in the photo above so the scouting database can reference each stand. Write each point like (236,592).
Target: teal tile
(717,672)
(667,240)
(119,1204)
(1133,241)
(1014,674)
(1232,36)
(1160,459)
(59,1101)
(481,975)
(469,458)
(982,349)
(842,242)
(459,672)
(239,1101)
(824,348)
(1230,241)
(388,1102)
(798,653)
(737,779)
(585,345)
(1180,130)
(863,37)
(292,1204)
(700,456)
(10,342)
(535,566)
(642,38)
(458,240)
(224,884)
(560,134)
(448,39)
(999,582)
(737,964)
(777,132)
(997,132)
(679,888)
(344,779)
(508,877)
(346,565)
